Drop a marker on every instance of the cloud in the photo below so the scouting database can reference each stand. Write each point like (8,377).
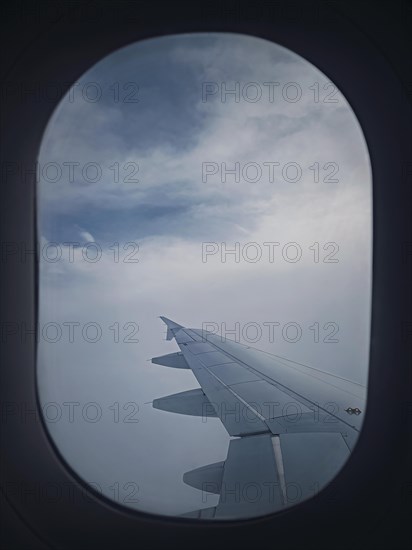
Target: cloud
(148,235)
(85,235)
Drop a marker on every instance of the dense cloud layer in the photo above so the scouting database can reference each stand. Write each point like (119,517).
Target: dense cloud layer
(176,206)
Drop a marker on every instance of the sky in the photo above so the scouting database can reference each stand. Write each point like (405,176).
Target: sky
(161,158)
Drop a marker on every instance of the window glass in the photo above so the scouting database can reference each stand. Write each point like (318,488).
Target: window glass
(221,181)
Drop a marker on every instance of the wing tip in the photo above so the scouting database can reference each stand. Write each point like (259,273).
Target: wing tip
(169,322)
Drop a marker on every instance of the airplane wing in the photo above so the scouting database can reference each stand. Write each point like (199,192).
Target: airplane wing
(292,427)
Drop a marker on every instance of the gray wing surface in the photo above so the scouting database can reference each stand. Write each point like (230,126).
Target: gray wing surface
(292,427)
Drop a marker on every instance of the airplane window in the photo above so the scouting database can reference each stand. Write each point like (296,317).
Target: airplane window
(205,259)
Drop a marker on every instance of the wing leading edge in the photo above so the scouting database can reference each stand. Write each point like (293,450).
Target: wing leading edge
(292,426)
